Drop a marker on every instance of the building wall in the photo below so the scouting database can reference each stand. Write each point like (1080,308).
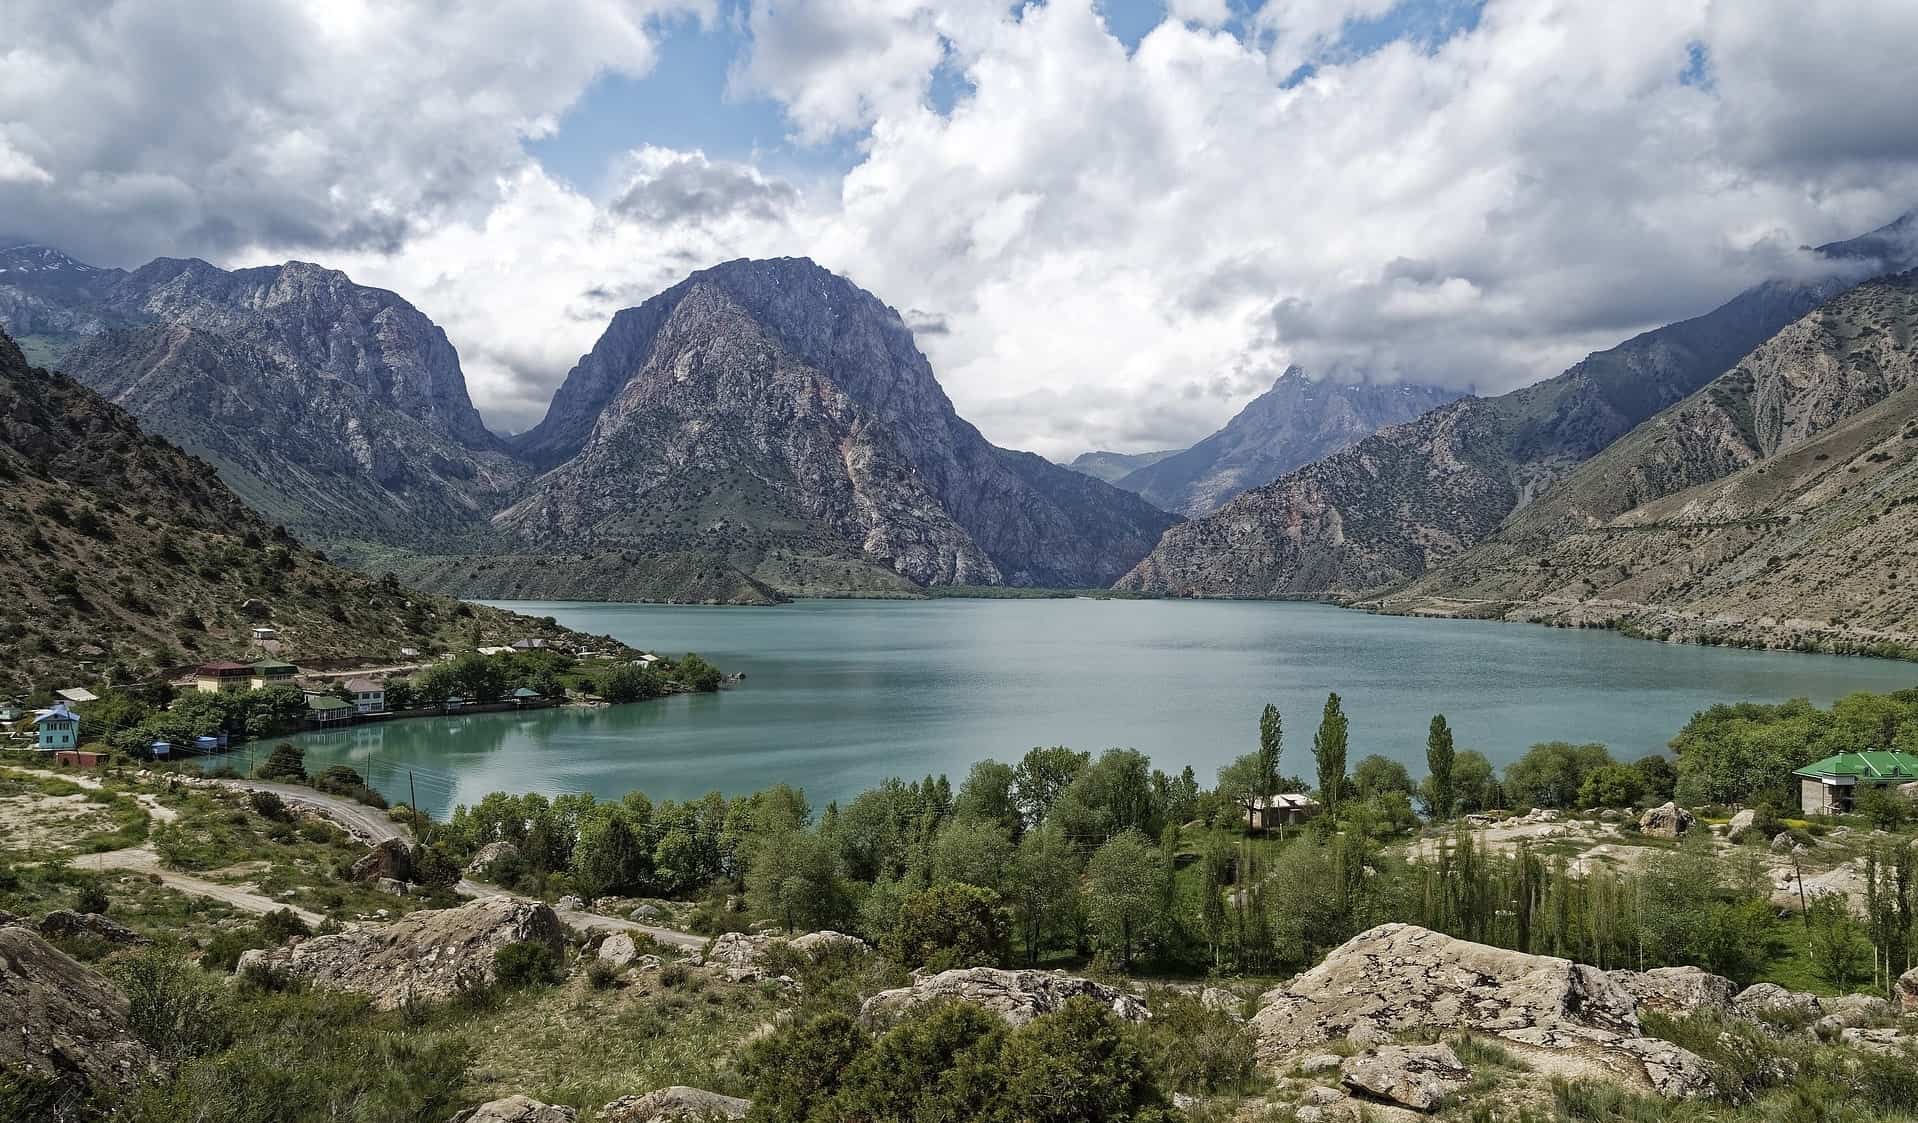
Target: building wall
(1815,798)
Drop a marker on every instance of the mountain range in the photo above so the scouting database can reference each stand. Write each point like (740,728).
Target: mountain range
(1411,496)
(763,428)
(121,554)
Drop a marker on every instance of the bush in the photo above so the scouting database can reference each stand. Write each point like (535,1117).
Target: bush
(434,868)
(90,897)
(1197,1049)
(601,975)
(526,963)
(281,925)
(947,926)
(287,761)
(175,1008)
(267,805)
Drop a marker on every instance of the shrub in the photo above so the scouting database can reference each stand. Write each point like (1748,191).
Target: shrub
(287,761)
(90,897)
(526,963)
(601,975)
(281,925)
(175,1008)
(267,805)
(1197,1049)
(947,926)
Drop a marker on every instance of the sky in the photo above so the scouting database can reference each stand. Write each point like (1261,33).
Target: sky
(1110,223)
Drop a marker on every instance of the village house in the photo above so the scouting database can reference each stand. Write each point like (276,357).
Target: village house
(264,633)
(56,728)
(78,694)
(271,672)
(369,696)
(1831,786)
(326,710)
(1266,812)
(222,677)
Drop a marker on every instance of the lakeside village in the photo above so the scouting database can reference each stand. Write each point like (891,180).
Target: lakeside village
(220,703)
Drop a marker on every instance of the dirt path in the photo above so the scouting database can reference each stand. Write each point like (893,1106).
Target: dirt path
(142,860)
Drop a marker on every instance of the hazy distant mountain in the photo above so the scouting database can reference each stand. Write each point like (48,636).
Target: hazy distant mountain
(1115,466)
(774,415)
(1297,421)
(1411,496)
(1777,504)
(336,409)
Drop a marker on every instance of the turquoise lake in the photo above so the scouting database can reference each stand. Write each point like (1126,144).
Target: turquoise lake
(842,694)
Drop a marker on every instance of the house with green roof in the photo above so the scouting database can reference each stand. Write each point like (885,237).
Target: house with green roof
(1831,786)
(272,672)
(324,709)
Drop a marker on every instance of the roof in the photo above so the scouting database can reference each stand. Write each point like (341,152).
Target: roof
(324,702)
(1288,801)
(364,686)
(526,692)
(222,668)
(1872,764)
(78,694)
(57,712)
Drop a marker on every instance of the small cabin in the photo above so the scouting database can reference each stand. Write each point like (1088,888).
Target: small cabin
(324,710)
(526,695)
(1831,786)
(56,728)
(1266,812)
(262,634)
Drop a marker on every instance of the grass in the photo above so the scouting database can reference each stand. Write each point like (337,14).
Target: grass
(128,820)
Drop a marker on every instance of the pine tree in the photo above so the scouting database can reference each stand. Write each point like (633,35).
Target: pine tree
(1328,748)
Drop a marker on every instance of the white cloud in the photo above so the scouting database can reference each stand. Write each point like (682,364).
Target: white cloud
(1117,246)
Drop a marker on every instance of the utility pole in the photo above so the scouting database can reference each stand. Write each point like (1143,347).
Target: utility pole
(413,802)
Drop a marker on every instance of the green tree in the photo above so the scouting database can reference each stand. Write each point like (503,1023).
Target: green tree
(1379,775)
(1079,1065)
(1551,774)
(948,926)
(1475,784)
(1043,886)
(1440,756)
(610,856)
(1611,785)
(287,761)
(1127,884)
(798,1068)
(974,852)
(989,793)
(1328,750)
(796,882)
(1042,777)
(1271,741)
(1835,942)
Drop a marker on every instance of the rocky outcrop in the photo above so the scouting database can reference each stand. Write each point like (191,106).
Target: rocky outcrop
(815,943)
(1770,1002)
(677,1104)
(64,1022)
(391,859)
(1740,825)
(517,1109)
(426,956)
(1016,996)
(1668,820)
(775,417)
(1907,991)
(1677,990)
(66,924)
(1299,420)
(618,950)
(1415,1076)
(1398,977)
(1412,497)
(488,857)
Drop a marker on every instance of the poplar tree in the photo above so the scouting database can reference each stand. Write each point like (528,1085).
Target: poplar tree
(1439,756)
(1328,748)
(1271,739)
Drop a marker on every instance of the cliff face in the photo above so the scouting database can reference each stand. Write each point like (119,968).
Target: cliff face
(1299,420)
(1776,501)
(1412,496)
(772,413)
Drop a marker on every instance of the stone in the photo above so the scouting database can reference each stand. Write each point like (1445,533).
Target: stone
(1907,991)
(1885,1042)
(1397,978)
(426,956)
(1677,990)
(1667,820)
(1322,1095)
(1741,823)
(813,943)
(569,903)
(65,924)
(1415,1076)
(517,1109)
(64,1021)
(647,914)
(618,950)
(1770,1002)
(677,1104)
(1858,1009)
(391,885)
(1222,1001)
(1319,1062)
(391,858)
(1016,996)
(487,857)
(737,955)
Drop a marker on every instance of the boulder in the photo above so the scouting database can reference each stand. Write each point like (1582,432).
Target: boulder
(517,1109)
(390,859)
(1885,1042)
(1859,1009)
(1416,1076)
(63,1021)
(737,955)
(647,914)
(1740,824)
(618,950)
(1668,820)
(66,924)
(1784,843)
(1770,1002)
(677,1104)
(1677,990)
(489,856)
(427,956)
(1907,991)
(1222,1001)
(812,943)
(1319,1062)
(391,885)
(570,903)
(1016,996)
(1398,977)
